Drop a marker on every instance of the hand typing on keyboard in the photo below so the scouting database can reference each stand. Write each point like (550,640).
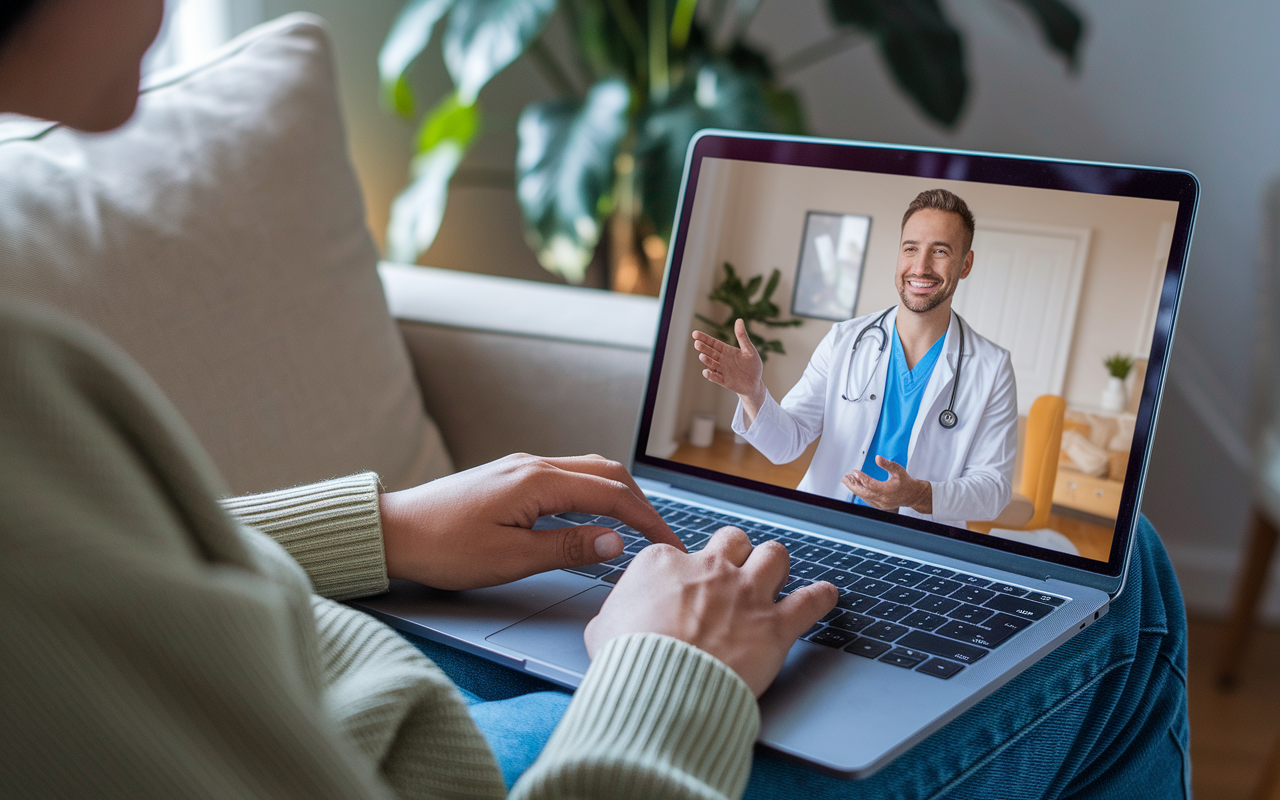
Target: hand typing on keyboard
(719,599)
(475,528)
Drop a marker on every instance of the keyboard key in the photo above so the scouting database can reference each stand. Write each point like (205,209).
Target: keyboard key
(805,569)
(636,546)
(578,517)
(972,594)
(1019,607)
(873,569)
(905,563)
(852,622)
(870,586)
(938,586)
(884,631)
(938,646)
(612,577)
(972,614)
(971,580)
(937,605)
(940,668)
(796,583)
(834,613)
(975,634)
(869,555)
(890,611)
(816,627)
(924,620)
(620,561)
(832,637)
(904,577)
(839,560)
(758,537)
(810,552)
(690,538)
(1006,622)
(857,603)
(1008,588)
(592,570)
(840,578)
(903,657)
(901,594)
(868,648)
(1052,600)
(937,572)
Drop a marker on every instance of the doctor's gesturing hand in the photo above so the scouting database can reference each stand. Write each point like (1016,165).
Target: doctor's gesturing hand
(899,490)
(737,369)
(474,528)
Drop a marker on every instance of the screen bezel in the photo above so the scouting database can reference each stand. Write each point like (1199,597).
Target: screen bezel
(1078,176)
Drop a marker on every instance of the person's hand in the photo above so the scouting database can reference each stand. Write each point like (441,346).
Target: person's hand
(737,369)
(473,528)
(720,600)
(896,491)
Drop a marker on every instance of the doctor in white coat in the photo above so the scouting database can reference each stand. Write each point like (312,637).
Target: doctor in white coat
(908,423)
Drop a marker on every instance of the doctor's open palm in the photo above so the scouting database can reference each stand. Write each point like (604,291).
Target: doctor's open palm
(737,369)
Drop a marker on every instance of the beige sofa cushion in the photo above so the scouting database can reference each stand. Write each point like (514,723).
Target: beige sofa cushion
(220,239)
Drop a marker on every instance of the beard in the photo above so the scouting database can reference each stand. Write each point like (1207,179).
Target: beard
(923,305)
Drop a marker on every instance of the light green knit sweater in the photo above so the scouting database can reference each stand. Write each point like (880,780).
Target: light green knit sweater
(154,646)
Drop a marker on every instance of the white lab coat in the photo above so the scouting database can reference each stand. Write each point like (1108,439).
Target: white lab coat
(970,465)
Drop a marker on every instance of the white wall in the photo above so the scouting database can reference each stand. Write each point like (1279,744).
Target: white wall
(1172,83)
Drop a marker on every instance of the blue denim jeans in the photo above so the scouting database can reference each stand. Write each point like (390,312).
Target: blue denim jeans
(1105,716)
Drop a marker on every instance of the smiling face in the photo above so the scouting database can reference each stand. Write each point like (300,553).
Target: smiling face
(78,61)
(933,257)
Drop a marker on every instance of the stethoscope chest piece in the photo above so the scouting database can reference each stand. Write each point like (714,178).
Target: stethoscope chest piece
(947,419)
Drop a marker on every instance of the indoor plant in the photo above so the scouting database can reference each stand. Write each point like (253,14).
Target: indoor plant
(735,294)
(643,76)
(1113,394)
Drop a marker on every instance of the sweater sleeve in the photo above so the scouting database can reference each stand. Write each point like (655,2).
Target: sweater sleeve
(654,718)
(332,528)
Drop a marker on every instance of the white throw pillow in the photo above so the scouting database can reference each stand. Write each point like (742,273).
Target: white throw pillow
(220,239)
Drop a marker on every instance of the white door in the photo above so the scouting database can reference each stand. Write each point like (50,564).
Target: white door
(1022,294)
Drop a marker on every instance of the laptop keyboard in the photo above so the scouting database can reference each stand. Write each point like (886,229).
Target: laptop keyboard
(900,611)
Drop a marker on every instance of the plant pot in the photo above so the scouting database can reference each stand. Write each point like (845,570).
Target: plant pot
(1113,395)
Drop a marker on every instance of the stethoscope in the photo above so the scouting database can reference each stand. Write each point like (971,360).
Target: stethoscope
(947,418)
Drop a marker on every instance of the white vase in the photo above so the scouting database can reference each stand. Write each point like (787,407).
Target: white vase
(1113,396)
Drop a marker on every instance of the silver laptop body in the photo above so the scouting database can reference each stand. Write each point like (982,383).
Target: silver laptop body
(832,707)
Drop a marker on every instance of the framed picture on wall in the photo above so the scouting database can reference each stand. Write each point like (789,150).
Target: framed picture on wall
(832,252)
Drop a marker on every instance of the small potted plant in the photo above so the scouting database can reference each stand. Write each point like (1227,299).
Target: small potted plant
(1114,395)
(735,294)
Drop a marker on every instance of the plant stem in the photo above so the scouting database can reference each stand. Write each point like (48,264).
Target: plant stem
(633,33)
(682,22)
(818,51)
(659,75)
(492,177)
(551,69)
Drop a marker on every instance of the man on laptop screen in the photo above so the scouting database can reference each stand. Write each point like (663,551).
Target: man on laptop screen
(920,411)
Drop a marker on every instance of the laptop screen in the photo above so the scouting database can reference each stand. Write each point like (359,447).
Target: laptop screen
(965,344)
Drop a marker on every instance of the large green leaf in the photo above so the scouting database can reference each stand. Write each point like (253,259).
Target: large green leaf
(716,95)
(484,36)
(924,52)
(416,214)
(409,36)
(564,168)
(1061,25)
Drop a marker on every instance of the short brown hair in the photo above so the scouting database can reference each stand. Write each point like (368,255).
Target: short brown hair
(942,200)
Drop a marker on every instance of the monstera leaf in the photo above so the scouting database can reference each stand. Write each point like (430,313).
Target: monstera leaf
(564,172)
(410,34)
(922,49)
(416,214)
(718,95)
(484,36)
(1061,27)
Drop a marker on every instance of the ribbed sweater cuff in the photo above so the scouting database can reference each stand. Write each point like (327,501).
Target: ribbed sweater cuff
(333,529)
(654,717)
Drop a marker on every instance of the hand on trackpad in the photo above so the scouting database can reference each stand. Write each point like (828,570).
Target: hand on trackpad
(554,635)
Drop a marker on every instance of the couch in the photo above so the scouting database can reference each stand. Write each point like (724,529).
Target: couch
(219,238)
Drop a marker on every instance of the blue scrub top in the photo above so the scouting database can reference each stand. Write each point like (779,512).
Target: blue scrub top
(903,391)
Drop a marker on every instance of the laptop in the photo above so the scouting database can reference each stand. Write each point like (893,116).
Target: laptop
(1077,275)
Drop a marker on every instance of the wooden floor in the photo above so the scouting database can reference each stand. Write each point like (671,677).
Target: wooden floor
(1231,732)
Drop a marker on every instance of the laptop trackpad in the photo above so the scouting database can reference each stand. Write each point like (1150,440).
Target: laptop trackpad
(554,635)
